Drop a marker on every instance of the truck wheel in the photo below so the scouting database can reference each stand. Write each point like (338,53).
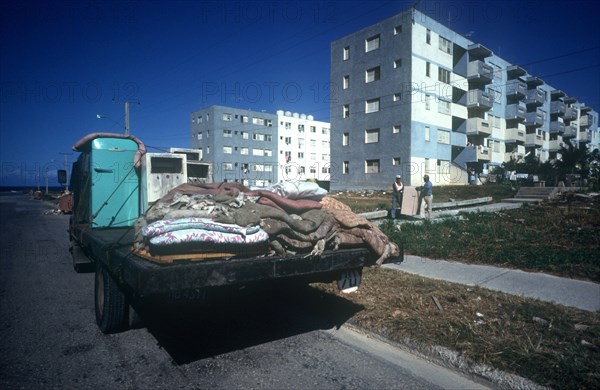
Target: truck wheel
(110,302)
(81,262)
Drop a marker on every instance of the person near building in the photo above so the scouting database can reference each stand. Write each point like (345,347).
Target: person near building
(397,196)
(426,195)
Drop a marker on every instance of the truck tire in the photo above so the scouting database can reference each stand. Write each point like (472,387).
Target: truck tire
(110,303)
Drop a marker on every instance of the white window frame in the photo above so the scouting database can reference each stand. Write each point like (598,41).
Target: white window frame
(373,74)
(372,43)
(371,136)
(372,105)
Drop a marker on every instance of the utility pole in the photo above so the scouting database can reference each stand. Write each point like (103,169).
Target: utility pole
(127,115)
(66,168)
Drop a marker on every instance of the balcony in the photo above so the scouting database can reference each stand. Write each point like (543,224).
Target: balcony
(570,114)
(515,135)
(557,108)
(483,153)
(570,132)
(479,71)
(515,71)
(477,50)
(554,145)
(513,156)
(557,127)
(535,97)
(477,98)
(515,111)
(477,126)
(585,121)
(533,119)
(533,140)
(584,136)
(516,87)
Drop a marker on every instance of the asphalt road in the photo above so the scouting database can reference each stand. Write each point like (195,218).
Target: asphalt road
(248,339)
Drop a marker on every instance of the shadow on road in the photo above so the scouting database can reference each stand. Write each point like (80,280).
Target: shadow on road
(191,330)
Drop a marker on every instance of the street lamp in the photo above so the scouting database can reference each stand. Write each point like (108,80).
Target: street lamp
(100,116)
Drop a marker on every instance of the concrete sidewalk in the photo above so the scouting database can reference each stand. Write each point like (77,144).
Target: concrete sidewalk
(568,292)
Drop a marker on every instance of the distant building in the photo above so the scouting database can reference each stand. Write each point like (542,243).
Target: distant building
(259,148)
(414,97)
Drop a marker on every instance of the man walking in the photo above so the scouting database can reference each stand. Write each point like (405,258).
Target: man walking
(426,197)
(397,195)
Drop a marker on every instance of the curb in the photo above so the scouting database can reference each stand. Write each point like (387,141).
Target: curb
(442,356)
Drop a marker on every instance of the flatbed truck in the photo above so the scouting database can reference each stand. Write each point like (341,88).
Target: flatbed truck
(106,184)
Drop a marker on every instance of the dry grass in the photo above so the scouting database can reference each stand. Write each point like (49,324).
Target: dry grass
(552,345)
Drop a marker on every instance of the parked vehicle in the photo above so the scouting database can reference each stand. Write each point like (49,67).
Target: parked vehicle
(107,202)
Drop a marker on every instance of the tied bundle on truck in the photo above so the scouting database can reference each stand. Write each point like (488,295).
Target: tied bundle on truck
(231,220)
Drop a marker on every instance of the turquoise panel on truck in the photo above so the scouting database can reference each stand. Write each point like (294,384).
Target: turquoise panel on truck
(115,183)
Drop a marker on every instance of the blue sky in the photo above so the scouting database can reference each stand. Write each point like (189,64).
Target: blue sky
(62,63)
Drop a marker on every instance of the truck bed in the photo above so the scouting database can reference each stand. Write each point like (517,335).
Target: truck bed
(113,247)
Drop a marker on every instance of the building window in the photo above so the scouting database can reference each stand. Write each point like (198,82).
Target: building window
(397,97)
(313,156)
(227,117)
(445,45)
(258,121)
(346,53)
(444,107)
(345,139)
(372,74)
(345,111)
(346,82)
(444,75)
(345,167)
(428,69)
(287,140)
(227,134)
(244,119)
(428,102)
(199,135)
(372,43)
(443,167)
(428,37)
(227,149)
(245,135)
(288,126)
(371,166)
(313,129)
(300,143)
(427,135)
(371,105)
(371,136)
(300,154)
(324,131)
(200,119)
(396,161)
(397,30)
(228,166)
(244,150)
(443,137)
(312,143)
(396,129)
(398,63)
(301,128)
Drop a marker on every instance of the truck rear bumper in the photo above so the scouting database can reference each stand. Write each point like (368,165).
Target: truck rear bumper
(147,278)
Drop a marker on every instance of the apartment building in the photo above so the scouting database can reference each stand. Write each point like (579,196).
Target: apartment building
(304,149)
(259,148)
(415,98)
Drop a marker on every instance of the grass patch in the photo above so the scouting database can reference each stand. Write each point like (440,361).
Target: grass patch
(552,345)
(548,237)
